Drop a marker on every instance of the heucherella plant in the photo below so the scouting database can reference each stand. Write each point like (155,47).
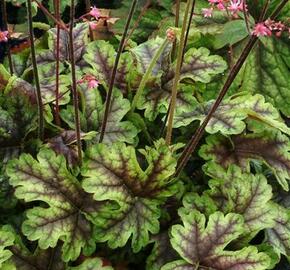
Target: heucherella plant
(144,135)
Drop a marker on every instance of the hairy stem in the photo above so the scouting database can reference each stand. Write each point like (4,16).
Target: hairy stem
(147,74)
(5,25)
(177,74)
(114,71)
(59,22)
(74,83)
(57,14)
(192,144)
(35,73)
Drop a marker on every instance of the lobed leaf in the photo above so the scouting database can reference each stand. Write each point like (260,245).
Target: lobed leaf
(91,264)
(49,181)
(270,147)
(203,246)
(230,116)
(242,193)
(113,173)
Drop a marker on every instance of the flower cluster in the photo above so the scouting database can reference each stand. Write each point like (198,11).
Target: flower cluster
(95,12)
(90,80)
(232,7)
(270,27)
(4,36)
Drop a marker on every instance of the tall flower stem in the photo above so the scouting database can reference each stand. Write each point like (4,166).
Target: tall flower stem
(188,28)
(5,25)
(177,74)
(147,74)
(57,14)
(74,83)
(35,73)
(192,144)
(114,71)
(176,24)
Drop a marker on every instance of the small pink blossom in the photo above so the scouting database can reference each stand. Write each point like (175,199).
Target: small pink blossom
(3,36)
(207,12)
(90,80)
(93,83)
(220,6)
(93,25)
(95,12)
(261,30)
(236,6)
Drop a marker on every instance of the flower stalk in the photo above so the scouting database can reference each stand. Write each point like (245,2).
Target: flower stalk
(74,83)
(114,71)
(35,73)
(177,74)
(148,73)
(192,144)
(57,14)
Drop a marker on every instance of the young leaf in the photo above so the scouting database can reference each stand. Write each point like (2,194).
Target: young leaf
(113,173)
(270,147)
(202,247)
(48,180)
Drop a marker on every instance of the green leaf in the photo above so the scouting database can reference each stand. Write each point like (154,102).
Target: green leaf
(92,116)
(202,247)
(113,173)
(242,193)
(200,66)
(64,144)
(156,100)
(230,116)
(266,71)
(145,52)
(233,32)
(279,235)
(91,264)
(270,147)
(100,55)
(162,252)
(48,180)
(6,240)
(80,38)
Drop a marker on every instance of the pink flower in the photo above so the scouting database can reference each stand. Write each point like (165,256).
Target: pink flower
(90,80)
(261,30)
(220,6)
(95,12)
(236,6)
(170,34)
(93,83)
(93,25)
(4,36)
(207,12)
